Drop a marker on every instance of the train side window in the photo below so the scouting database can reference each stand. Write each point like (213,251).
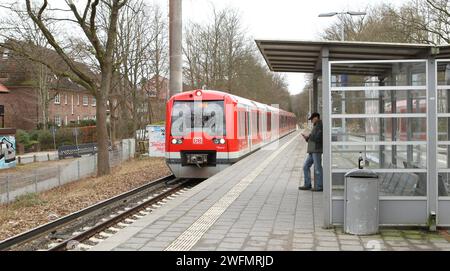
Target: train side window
(246,124)
(257,122)
(269,122)
(261,124)
(240,124)
(241,118)
(255,128)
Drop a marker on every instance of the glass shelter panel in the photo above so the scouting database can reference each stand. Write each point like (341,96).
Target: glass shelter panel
(443,108)
(443,72)
(379,112)
(375,129)
(363,101)
(378,73)
(379,156)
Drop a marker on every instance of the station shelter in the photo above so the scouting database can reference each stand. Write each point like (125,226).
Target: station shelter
(390,104)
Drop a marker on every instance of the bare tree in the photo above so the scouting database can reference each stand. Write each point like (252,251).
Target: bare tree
(429,17)
(383,23)
(142,51)
(27,40)
(221,56)
(97,42)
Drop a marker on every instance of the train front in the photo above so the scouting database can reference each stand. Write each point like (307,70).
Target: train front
(196,142)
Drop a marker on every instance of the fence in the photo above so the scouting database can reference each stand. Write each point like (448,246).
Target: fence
(44,178)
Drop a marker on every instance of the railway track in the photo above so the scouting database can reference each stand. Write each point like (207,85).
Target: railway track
(83,229)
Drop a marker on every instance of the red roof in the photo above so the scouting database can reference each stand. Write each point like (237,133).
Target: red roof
(3,89)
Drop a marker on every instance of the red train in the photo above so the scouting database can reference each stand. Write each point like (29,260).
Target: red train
(207,131)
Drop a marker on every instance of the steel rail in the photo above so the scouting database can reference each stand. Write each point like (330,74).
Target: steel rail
(40,230)
(116,219)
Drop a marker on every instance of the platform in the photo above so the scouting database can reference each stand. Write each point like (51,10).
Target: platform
(255,205)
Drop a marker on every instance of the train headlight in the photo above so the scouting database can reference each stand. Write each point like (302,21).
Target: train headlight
(198,93)
(176,141)
(219,141)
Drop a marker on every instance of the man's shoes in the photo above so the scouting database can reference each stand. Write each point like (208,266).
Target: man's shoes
(317,189)
(304,188)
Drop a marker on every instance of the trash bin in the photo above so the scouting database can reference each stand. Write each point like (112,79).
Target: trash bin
(361,206)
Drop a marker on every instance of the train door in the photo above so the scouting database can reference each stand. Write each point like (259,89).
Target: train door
(248,130)
(269,126)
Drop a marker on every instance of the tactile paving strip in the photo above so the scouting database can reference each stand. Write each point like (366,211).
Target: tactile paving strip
(192,235)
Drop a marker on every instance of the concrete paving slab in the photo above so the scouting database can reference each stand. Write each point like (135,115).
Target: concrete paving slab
(268,213)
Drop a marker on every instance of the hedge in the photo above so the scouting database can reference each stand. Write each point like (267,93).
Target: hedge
(63,136)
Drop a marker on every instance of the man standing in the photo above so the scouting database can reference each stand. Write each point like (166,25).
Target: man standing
(315,149)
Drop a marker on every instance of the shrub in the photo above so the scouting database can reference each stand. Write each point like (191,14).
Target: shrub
(34,135)
(83,123)
(64,137)
(23,137)
(45,138)
(88,134)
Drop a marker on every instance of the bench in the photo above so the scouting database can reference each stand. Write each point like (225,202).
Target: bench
(421,186)
(398,184)
(408,184)
(78,150)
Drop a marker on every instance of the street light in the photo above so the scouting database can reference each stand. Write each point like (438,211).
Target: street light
(342,14)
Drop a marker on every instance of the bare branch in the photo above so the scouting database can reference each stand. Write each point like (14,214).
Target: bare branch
(52,41)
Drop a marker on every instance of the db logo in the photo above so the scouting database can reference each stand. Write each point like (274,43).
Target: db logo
(197,140)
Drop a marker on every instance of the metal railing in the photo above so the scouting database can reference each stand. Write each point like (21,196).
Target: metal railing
(18,183)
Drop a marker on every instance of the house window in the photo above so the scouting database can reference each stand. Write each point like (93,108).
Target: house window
(5,54)
(85,100)
(65,98)
(94,101)
(78,99)
(66,121)
(58,120)
(86,118)
(72,104)
(58,98)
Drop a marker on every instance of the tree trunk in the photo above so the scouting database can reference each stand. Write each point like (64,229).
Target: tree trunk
(135,117)
(102,132)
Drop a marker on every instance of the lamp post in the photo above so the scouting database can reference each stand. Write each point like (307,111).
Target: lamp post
(342,14)
(175,47)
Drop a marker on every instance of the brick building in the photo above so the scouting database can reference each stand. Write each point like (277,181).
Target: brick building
(71,106)
(67,101)
(156,90)
(151,88)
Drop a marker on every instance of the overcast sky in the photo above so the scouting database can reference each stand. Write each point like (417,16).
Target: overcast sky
(275,19)
(278,19)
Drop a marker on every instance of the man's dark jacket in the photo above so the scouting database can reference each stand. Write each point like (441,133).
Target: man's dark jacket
(315,141)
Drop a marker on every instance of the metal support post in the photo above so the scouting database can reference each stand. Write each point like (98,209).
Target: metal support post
(326,112)
(409,121)
(175,44)
(381,123)
(432,130)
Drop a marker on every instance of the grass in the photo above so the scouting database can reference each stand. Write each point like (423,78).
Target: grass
(27,200)
(159,123)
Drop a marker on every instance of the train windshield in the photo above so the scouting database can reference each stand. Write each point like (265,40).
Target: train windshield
(198,116)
